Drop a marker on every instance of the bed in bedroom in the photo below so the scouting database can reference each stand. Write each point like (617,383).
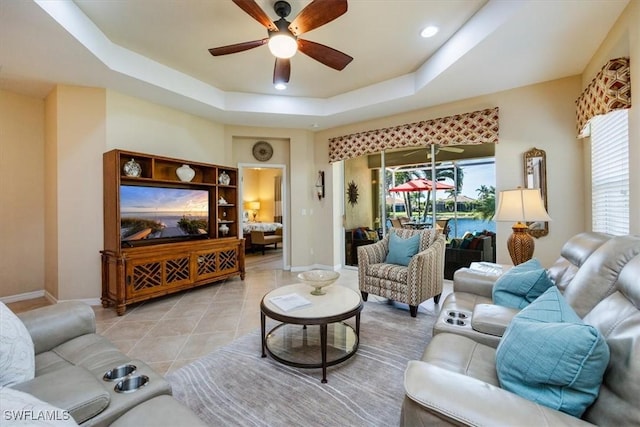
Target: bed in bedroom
(267,227)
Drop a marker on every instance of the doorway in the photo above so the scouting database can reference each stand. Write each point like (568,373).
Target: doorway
(264,207)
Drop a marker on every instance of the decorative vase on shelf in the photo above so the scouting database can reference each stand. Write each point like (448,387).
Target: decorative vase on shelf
(132,168)
(224,178)
(185,173)
(224,229)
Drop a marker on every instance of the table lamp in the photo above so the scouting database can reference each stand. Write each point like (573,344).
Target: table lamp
(521,205)
(255,207)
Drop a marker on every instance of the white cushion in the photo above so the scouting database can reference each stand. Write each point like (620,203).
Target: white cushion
(17,359)
(22,409)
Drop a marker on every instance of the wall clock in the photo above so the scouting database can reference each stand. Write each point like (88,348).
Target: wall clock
(352,193)
(262,151)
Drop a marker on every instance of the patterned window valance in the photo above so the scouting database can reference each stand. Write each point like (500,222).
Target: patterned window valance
(478,127)
(610,90)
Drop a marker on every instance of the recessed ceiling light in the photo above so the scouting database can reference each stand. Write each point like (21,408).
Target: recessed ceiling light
(280,86)
(429,31)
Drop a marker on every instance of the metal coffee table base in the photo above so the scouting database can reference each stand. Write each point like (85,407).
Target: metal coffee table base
(315,346)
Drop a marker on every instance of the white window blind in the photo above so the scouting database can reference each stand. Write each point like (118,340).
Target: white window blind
(610,173)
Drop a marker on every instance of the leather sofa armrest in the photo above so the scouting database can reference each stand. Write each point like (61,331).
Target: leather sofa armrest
(492,319)
(435,389)
(71,388)
(475,281)
(53,325)
(159,411)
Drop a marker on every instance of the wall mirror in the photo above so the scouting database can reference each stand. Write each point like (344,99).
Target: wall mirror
(535,176)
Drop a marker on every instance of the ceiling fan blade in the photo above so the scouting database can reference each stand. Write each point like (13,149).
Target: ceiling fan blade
(282,71)
(324,54)
(316,14)
(256,12)
(451,149)
(238,47)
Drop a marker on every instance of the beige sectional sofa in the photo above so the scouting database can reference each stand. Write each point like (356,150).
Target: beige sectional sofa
(71,361)
(457,380)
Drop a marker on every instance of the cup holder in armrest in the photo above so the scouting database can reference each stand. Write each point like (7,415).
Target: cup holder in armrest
(131,384)
(456,322)
(119,372)
(457,314)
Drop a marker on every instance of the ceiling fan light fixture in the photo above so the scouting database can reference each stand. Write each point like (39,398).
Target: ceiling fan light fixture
(283,45)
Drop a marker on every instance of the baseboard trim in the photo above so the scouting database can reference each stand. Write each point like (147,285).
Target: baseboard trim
(313,267)
(23,297)
(42,293)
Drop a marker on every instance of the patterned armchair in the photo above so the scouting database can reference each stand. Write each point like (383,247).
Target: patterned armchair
(413,284)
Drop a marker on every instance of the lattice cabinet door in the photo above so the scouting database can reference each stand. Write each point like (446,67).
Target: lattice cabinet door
(148,276)
(216,262)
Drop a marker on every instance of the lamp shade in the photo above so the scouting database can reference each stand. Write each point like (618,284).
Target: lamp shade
(521,205)
(255,206)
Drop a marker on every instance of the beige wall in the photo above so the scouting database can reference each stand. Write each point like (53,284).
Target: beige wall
(360,214)
(250,190)
(622,40)
(51,196)
(137,125)
(294,149)
(78,140)
(541,116)
(21,194)
(259,185)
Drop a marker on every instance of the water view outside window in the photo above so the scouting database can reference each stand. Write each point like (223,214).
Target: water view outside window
(470,209)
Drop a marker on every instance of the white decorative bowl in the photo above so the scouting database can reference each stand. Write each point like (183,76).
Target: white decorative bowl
(318,279)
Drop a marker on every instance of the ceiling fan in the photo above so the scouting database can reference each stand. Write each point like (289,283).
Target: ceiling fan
(283,35)
(438,149)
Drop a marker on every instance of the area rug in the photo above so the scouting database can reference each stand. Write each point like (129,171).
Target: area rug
(235,386)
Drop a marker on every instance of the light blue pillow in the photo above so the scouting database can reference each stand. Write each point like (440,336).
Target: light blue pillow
(532,264)
(549,356)
(519,288)
(402,250)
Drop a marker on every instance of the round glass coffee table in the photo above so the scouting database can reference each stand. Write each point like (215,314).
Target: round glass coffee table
(293,343)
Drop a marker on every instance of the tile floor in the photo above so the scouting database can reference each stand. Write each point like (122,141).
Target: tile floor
(172,331)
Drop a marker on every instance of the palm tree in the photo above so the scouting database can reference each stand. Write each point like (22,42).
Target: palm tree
(400,177)
(486,202)
(441,174)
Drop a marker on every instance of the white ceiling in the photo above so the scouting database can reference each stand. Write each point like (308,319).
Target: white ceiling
(157,50)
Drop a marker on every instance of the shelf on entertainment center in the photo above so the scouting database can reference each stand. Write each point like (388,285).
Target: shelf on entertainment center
(133,180)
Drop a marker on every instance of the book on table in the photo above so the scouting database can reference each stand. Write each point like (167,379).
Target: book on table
(290,302)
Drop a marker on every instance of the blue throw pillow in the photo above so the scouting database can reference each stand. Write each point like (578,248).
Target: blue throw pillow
(519,287)
(532,264)
(402,250)
(549,356)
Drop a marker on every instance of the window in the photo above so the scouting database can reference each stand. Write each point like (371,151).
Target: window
(610,173)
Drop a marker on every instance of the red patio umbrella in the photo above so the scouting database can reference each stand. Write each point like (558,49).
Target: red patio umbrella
(421,184)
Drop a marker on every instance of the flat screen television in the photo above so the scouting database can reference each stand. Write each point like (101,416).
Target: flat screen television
(150,214)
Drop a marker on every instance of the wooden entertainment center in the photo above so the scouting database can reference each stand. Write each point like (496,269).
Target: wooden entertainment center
(136,270)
